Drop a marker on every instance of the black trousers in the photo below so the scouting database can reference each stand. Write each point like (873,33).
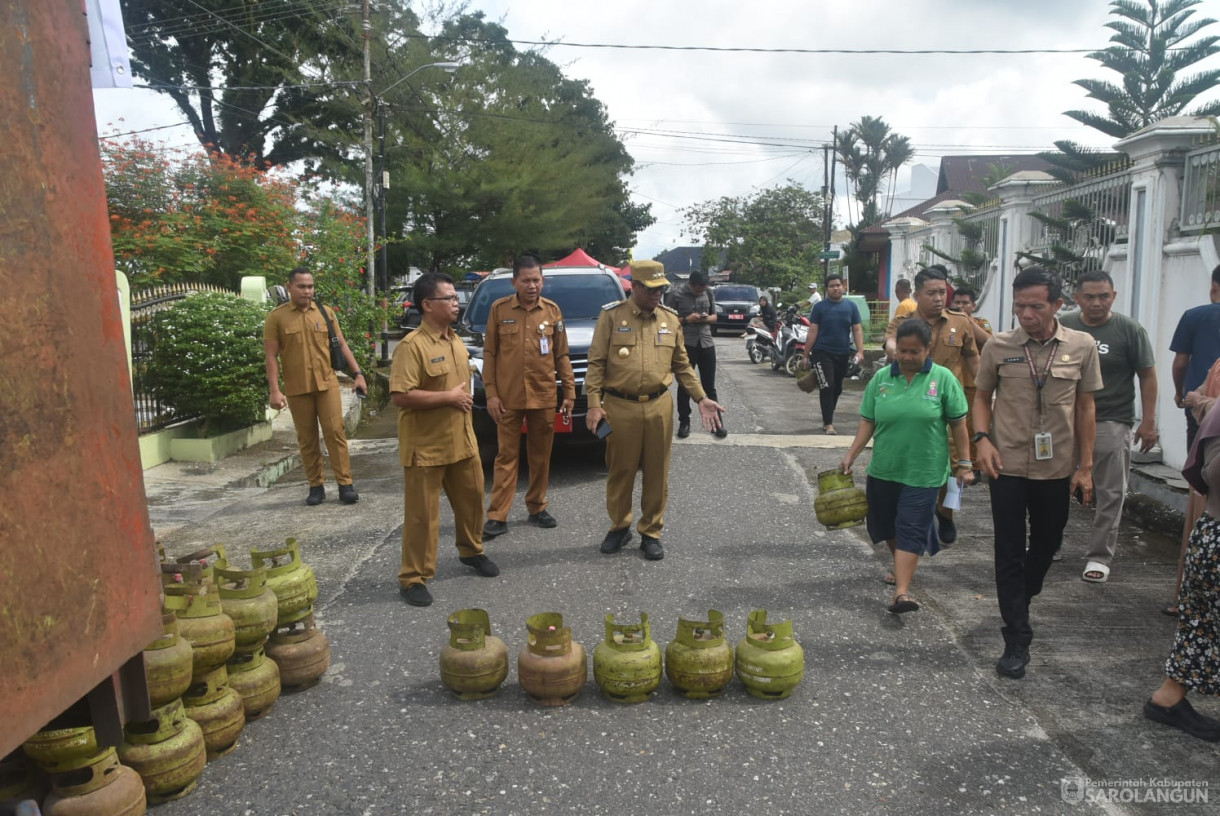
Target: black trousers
(1019,571)
(704,359)
(830,370)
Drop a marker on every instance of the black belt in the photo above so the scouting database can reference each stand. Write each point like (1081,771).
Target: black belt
(633,397)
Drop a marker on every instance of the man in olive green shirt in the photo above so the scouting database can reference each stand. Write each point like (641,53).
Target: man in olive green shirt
(1125,355)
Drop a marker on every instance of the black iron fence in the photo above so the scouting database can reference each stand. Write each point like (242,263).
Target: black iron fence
(151,414)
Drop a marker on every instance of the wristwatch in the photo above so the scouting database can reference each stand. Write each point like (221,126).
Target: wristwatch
(980,435)
(356,374)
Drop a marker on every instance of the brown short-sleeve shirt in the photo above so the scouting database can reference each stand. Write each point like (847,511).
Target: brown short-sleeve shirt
(634,353)
(432,361)
(952,340)
(515,368)
(1004,369)
(304,348)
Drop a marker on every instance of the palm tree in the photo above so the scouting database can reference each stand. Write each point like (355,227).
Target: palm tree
(1149,53)
(871,154)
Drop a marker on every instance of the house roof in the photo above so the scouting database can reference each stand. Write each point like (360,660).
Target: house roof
(964,174)
(681,259)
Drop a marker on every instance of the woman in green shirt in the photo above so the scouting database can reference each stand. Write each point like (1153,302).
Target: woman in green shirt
(906,407)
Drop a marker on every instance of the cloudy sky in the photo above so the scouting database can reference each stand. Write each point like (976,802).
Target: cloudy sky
(678,112)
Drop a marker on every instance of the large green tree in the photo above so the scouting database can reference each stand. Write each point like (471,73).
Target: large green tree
(771,238)
(265,81)
(871,154)
(1150,52)
(505,156)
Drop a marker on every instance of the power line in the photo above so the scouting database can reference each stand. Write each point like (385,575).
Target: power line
(110,136)
(764,50)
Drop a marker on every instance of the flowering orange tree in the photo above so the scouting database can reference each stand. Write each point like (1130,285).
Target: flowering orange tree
(202,219)
(214,219)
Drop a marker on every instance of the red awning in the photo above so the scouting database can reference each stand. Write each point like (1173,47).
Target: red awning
(579,258)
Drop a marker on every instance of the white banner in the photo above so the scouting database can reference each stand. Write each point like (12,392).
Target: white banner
(107,45)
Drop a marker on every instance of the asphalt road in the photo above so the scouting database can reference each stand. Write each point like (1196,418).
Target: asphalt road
(895,715)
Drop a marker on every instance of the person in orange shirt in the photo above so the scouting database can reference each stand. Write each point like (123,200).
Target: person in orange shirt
(526,348)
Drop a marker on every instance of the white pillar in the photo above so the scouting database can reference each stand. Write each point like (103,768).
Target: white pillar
(1017,232)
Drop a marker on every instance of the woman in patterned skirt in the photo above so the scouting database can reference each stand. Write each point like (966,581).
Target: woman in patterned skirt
(1194,660)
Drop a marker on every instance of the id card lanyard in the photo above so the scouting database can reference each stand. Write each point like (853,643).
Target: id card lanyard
(1040,381)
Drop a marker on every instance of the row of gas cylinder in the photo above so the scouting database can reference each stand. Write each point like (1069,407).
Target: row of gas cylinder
(232,641)
(627,664)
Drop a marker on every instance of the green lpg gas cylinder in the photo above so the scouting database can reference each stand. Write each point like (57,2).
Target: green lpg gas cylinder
(840,504)
(291,579)
(474,662)
(552,668)
(770,662)
(627,664)
(252,605)
(167,752)
(698,661)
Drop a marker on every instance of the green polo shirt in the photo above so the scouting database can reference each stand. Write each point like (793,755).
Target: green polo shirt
(910,445)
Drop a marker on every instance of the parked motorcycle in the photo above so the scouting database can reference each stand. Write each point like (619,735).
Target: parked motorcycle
(760,341)
(790,345)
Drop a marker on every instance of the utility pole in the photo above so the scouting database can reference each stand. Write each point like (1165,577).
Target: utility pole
(825,210)
(370,263)
(830,205)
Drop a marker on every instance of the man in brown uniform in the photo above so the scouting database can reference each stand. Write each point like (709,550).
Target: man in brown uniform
(296,340)
(637,349)
(965,300)
(526,346)
(953,347)
(430,385)
(1035,445)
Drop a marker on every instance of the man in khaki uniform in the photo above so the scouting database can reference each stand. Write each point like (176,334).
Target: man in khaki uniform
(296,343)
(637,349)
(430,385)
(965,300)
(1035,445)
(953,346)
(526,347)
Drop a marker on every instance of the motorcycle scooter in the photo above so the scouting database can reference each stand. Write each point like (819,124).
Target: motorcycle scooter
(760,341)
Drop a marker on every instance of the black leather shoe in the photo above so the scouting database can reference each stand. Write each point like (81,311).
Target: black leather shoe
(653,551)
(482,565)
(946,529)
(721,432)
(317,495)
(683,428)
(1183,716)
(615,540)
(1012,664)
(543,519)
(348,494)
(494,528)
(416,595)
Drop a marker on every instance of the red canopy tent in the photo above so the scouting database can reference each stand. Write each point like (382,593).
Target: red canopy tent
(579,258)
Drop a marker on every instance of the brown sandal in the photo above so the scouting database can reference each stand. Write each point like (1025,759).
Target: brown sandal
(904,603)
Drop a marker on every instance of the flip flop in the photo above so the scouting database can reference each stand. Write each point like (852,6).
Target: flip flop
(904,603)
(1171,611)
(890,580)
(1095,572)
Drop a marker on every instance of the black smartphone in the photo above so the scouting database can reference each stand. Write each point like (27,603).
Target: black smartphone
(361,393)
(604,429)
(1079,494)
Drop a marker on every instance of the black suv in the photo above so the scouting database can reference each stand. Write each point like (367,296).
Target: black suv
(736,303)
(580,293)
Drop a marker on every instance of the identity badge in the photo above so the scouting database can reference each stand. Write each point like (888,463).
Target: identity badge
(546,345)
(1042,446)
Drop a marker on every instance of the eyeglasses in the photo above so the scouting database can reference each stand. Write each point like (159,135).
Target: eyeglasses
(655,290)
(450,298)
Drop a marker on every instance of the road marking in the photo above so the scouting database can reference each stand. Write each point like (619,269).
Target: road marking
(771,440)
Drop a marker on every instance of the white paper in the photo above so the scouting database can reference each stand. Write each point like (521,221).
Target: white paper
(107,45)
(953,497)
